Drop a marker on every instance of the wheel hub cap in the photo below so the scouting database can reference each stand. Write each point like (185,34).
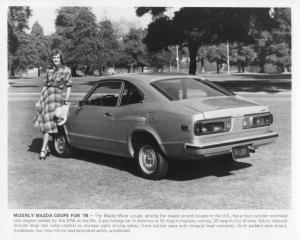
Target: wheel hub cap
(60,144)
(148,159)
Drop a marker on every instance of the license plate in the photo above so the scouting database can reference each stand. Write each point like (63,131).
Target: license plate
(240,152)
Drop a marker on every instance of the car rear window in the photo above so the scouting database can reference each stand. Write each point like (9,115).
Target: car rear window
(188,88)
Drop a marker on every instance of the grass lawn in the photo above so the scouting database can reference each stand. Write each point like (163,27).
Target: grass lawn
(269,83)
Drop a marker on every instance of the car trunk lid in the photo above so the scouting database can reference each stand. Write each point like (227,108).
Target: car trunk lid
(226,106)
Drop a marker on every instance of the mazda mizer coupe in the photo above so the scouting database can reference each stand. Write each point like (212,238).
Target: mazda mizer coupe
(155,118)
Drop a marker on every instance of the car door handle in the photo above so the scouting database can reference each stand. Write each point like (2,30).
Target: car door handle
(107,114)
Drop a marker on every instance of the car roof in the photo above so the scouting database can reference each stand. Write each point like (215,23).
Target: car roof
(147,78)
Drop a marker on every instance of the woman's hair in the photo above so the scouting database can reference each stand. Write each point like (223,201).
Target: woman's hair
(53,53)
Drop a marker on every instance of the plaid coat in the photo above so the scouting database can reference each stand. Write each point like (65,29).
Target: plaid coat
(51,98)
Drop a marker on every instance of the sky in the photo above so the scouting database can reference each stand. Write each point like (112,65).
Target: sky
(46,15)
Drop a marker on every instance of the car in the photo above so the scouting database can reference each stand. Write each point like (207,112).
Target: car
(155,118)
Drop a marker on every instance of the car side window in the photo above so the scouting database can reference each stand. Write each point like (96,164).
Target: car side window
(106,94)
(131,95)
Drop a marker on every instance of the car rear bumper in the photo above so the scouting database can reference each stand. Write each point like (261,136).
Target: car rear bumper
(217,147)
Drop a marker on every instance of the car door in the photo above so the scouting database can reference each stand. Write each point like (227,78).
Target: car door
(93,120)
(128,114)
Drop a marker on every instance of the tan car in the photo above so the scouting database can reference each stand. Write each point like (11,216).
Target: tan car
(155,118)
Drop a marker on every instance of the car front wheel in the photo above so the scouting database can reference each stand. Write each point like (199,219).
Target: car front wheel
(150,161)
(61,145)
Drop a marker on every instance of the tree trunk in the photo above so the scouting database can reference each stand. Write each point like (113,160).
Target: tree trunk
(87,70)
(193,48)
(12,72)
(73,71)
(218,67)
(39,71)
(262,69)
(202,65)
(243,68)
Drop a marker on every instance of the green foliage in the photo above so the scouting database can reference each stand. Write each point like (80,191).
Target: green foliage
(195,27)
(17,23)
(217,54)
(280,56)
(241,56)
(160,34)
(40,47)
(77,35)
(273,45)
(154,11)
(162,58)
(109,45)
(133,51)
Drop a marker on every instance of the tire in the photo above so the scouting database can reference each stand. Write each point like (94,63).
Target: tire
(61,145)
(151,162)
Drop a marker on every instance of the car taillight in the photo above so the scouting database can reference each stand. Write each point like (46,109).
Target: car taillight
(257,120)
(212,126)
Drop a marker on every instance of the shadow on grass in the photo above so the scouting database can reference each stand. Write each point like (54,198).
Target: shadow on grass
(123,164)
(200,168)
(255,86)
(264,76)
(120,163)
(35,145)
(178,170)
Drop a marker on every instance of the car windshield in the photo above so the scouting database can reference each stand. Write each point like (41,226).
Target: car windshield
(188,88)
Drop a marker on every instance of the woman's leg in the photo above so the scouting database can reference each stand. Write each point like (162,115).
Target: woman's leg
(45,142)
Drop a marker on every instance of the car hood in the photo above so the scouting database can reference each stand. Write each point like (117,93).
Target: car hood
(224,106)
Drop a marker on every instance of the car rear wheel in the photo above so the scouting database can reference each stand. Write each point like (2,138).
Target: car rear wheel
(150,161)
(61,145)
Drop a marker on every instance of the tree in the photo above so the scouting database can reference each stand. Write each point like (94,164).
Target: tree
(17,22)
(123,26)
(201,56)
(280,56)
(163,58)
(217,54)
(110,45)
(273,45)
(195,27)
(40,46)
(77,35)
(134,51)
(281,48)
(242,56)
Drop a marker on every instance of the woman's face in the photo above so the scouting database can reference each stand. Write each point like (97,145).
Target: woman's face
(56,60)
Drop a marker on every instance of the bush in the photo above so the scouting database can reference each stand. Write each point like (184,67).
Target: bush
(271,68)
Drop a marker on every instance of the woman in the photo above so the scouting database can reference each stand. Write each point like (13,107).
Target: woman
(57,77)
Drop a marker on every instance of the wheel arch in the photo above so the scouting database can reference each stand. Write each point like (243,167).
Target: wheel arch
(144,133)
